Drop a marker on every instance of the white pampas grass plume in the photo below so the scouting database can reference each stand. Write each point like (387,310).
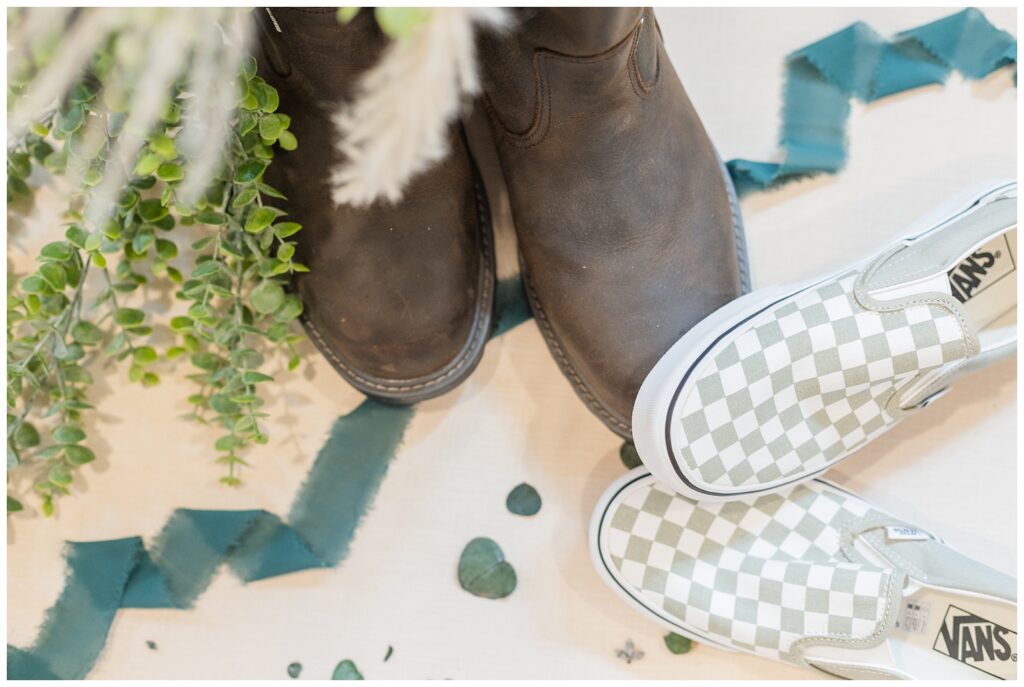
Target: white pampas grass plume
(397,123)
(200,48)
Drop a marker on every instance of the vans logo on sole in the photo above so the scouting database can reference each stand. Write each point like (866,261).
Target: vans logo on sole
(981,269)
(979,643)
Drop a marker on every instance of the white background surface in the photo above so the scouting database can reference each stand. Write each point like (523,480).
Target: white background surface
(950,469)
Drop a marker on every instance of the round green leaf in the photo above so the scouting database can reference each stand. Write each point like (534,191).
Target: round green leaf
(169,171)
(181,323)
(144,355)
(260,219)
(59,474)
(287,141)
(152,210)
(483,570)
(34,284)
(26,436)
(58,250)
(166,250)
(86,333)
(294,669)
(249,171)
(211,217)
(71,119)
(147,164)
(678,644)
(630,458)
(79,455)
(271,127)
(54,275)
(400,22)
(163,146)
(267,297)
(523,500)
(129,317)
(346,670)
(68,434)
(286,229)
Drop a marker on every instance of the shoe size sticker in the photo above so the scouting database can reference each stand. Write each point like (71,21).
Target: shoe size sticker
(904,533)
(979,643)
(913,617)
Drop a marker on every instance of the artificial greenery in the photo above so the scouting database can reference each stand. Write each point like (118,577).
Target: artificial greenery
(395,22)
(76,306)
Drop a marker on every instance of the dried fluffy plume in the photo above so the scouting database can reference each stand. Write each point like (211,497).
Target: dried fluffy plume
(157,46)
(397,125)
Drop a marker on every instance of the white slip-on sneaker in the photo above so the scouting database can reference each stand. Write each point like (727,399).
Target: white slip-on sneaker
(784,382)
(813,576)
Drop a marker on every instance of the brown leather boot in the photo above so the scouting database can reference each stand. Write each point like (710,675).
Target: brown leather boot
(628,228)
(399,296)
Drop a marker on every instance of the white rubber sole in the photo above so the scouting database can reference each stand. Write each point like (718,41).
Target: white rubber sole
(669,379)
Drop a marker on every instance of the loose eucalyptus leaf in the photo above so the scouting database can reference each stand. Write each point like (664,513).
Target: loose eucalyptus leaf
(523,500)
(346,670)
(628,455)
(678,644)
(483,570)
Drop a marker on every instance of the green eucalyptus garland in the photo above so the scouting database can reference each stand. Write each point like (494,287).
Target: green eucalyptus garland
(71,310)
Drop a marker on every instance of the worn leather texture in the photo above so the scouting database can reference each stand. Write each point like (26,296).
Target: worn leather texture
(399,296)
(627,231)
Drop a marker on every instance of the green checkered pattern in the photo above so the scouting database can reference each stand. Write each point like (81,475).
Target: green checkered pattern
(754,574)
(804,384)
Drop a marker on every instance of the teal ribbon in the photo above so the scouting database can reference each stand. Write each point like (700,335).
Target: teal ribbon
(856,62)
(104,576)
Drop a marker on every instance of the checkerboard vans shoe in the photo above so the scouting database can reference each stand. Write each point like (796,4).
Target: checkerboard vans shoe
(784,382)
(811,575)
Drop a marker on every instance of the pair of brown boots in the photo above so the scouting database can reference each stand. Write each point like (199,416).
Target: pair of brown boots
(628,227)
